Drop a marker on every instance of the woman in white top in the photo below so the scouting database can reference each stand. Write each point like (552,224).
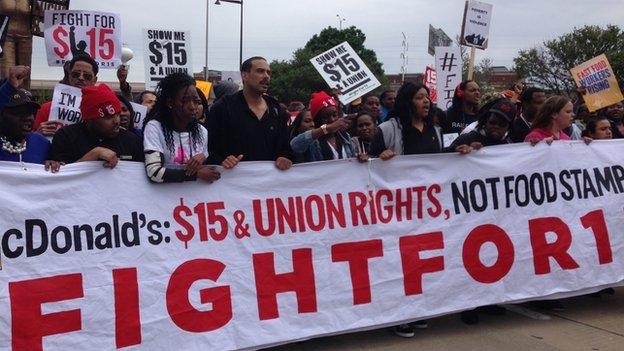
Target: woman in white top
(175,143)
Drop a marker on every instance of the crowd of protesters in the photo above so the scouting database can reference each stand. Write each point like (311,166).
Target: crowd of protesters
(184,137)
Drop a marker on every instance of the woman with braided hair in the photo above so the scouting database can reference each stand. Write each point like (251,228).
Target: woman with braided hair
(175,143)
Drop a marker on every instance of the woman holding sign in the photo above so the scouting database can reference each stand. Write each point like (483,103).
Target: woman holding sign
(175,143)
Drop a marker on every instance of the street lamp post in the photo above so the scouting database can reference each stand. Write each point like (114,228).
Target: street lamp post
(340,19)
(239,2)
(206,73)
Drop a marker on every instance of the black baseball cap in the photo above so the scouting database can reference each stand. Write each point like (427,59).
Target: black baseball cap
(504,108)
(21,97)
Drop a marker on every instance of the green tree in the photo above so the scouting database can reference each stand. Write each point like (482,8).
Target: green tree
(549,65)
(296,79)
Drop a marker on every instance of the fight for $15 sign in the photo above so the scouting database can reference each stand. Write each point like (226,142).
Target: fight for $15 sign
(166,52)
(71,33)
(342,68)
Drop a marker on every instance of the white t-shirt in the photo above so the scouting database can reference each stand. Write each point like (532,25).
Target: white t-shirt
(183,147)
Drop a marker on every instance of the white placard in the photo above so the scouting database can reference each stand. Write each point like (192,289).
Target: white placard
(140,112)
(165,51)
(476,25)
(342,68)
(69,33)
(232,76)
(448,73)
(65,106)
(449,138)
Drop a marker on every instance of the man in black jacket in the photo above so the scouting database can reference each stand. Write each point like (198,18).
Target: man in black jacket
(250,125)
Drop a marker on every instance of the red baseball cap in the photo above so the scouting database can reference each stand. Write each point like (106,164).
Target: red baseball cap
(319,101)
(98,102)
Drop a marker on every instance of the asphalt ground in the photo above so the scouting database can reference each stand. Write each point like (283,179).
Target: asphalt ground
(587,323)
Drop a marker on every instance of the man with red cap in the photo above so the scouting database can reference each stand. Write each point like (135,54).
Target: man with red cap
(329,140)
(99,136)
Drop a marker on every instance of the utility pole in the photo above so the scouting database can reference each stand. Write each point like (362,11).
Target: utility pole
(404,57)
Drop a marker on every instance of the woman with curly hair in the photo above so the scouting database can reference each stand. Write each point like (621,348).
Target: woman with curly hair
(175,143)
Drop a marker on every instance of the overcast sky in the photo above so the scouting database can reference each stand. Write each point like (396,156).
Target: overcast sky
(275,28)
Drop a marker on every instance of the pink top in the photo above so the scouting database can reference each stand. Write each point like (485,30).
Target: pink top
(541,134)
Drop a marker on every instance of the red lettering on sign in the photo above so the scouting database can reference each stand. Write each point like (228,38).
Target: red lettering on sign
(127,315)
(415,267)
(28,325)
(182,313)
(542,250)
(596,221)
(59,35)
(472,246)
(357,255)
(269,283)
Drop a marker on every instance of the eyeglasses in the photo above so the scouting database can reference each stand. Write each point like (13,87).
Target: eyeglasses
(85,75)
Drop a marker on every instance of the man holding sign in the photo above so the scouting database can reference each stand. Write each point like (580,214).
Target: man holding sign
(83,72)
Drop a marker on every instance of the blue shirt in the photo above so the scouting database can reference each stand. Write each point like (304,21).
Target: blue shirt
(37,150)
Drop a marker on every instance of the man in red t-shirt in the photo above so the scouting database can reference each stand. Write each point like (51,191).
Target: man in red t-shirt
(83,72)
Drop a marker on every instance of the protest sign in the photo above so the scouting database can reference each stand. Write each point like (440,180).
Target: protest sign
(256,259)
(166,51)
(204,87)
(430,83)
(342,68)
(37,11)
(140,112)
(232,76)
(65,106)
(448,74)
(437,37)
(71,33)
(476,24)
(4,29)
(599,81)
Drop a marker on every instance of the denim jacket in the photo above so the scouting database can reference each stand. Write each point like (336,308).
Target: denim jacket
(310,148)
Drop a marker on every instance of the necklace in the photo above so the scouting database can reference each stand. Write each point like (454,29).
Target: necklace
(14,149)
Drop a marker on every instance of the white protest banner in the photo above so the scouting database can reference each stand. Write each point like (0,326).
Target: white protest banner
(448,73)
(430,83)
(105,259)
(342,68)
(165,51)
(140,112)
(70,33)
(65,106)
(476,24)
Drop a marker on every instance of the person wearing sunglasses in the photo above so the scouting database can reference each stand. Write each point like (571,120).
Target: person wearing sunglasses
(82,72)
(494,120)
